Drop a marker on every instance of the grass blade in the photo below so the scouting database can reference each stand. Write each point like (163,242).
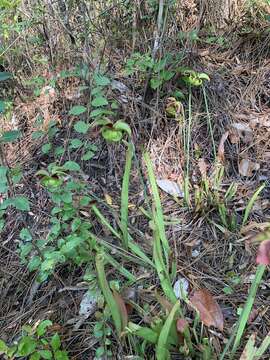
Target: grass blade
(132,246)
(145,333)
(247,309)
(120,268)
(158,216)
(264,346)
(162,345)
(124,195)
(210,127)
(107,293)
(251,203)
(161,270)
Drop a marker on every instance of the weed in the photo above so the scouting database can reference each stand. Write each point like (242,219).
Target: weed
(35,343)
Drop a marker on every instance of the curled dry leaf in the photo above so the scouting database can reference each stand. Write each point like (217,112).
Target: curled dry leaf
(263,254)
(170,187)
(240,131)
(221,156)
(209,310)
(246,167)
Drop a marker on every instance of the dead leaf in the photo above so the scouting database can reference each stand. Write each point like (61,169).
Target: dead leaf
(203,168)
(246,167)
(263,254)
(220,155)
(122,308)
(209,310)
(170,187)
(240,131)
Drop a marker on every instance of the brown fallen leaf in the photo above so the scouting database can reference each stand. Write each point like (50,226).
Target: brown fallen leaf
(209,310)
(220,155)
(263,254)
(246,167)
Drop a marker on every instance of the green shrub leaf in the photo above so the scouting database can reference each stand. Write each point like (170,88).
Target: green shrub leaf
(72,166)
(9,136)
(99,101)
(77,110)
(81,127)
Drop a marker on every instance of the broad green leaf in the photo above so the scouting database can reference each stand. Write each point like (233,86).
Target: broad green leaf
(25,249)
(100,351)
(99,101)
(25,234)
(37,134)
(3,347)
(101,80)
(155,83)
(5,75)
(42,327)
(99,112)
(9,136)
(167,75)
(75,144)
(61,355)
(45,354)
(55,342)
(46,148)
(34,263)
(72,166)
(77,110)
(76,223)
(35,356)
(71,245)
(81,127)
(20,203)
(88,155)
(26,346)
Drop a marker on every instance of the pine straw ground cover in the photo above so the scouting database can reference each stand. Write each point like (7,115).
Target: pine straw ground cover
(209,250)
